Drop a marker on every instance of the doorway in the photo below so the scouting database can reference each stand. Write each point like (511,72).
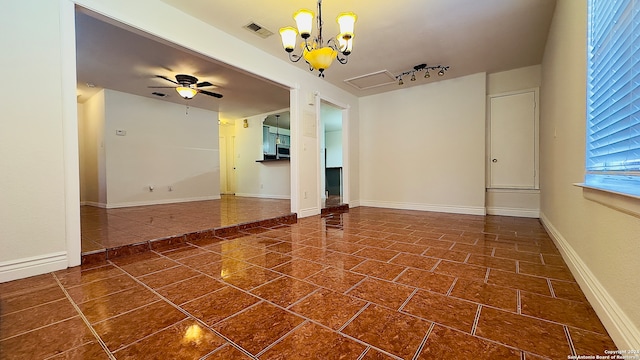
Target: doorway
(331,155)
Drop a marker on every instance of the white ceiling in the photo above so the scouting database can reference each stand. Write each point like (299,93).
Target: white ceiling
(468,35)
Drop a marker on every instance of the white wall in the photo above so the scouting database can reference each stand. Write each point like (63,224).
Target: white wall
(91,121)
(599,243)
(423,147)
(512,202)
(33,157)
(254,179)
(333,140)
(165,146)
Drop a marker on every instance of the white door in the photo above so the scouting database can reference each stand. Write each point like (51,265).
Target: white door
(224,187)
(231,165)
(513,140)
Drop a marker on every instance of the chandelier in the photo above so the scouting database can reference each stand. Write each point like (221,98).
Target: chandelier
(314,51)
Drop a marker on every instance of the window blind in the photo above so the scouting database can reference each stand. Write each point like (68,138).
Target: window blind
(613,91)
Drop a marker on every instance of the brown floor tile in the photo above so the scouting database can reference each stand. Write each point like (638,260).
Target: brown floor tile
(284,291)
(149,266)
(382,292)
(117,303)
(446,254)
(129,327)
(219,304)
(77,276)
(444,343)
(91,351)
(200,260)
(30,284)
(96,289)
(553,272)
(311,341)
(378,269)
(568,290)
(258,327)
(299,268)
(435,243)
(329,308)
(345,247)
(32,318)
(342,261)
(416,261)
(461,270)
(24,299)
(184,251)
(336,279)
(473,249)
(373,354)
(553,260)
(443,310)
(227,352)
(185,340)
(519,281)
(589,343)
(486,294)
(408,248)
(518,255)
(168,276)
(376,253)
(492,262)
(524,333)
(572,313)
(391,331)
(426,280)
(47,341)
(251,277)
(269,259)
(223,268)
(189,289)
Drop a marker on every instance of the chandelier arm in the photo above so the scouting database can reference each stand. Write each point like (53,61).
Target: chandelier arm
(343,60)
(294,57)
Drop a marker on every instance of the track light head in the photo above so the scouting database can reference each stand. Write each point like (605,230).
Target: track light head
(427,75)
(441,72)
(413,77)
(400,82)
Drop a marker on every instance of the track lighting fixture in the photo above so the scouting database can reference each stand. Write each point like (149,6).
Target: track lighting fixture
(422,67)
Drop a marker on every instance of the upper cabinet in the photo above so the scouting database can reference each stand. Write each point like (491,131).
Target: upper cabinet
(276,136)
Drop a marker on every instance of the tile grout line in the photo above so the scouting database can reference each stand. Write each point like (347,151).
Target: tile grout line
(103,345)
(433,268)
(303,298)
(423,342)
(517,266)
(476,320)
(278,340)
(408,299)
(400,274)
(569,339)
(553,293)
(364,307)
(466,259)
(189,315)
(455,281)
(486,275)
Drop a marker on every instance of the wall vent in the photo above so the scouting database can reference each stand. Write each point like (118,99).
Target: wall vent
(258,30)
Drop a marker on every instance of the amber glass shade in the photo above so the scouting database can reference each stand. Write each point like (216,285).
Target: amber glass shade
(321,58)
(186,92)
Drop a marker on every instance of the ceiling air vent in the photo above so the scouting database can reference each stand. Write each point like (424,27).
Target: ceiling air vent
(372,80)
(258,30)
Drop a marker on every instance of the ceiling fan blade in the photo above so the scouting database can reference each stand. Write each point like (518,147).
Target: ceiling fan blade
(166,78)
(204,84)
(210,93)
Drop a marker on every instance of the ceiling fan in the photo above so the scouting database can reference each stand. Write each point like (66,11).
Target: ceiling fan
(187,86)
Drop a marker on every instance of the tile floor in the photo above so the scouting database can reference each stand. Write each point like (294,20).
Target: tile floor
(110,228)
(366,284)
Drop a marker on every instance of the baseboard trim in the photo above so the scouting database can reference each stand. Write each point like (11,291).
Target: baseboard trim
(354,203)
(94,204)
(308,212)
(31,266)
(160,202)
(517,212)
(264,196)
(621,329)
(468,210)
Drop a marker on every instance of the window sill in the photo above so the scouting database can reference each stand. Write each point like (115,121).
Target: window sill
(629,204)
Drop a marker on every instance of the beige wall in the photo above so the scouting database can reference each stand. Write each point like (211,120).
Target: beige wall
(91,123)
(253,179)
(165,146)
(600,244)
(32,141)
(423,147)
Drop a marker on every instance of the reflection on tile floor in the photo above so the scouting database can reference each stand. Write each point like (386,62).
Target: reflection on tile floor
(110,228)
(366,284)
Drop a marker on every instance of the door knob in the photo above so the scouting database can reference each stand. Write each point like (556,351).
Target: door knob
(494,160)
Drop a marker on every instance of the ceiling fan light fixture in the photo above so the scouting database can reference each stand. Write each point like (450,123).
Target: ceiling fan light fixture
(186,92)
